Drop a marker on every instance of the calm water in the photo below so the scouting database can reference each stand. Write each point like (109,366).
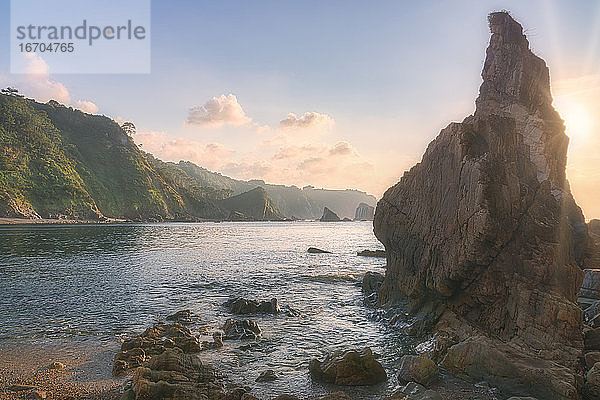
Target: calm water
(101,282)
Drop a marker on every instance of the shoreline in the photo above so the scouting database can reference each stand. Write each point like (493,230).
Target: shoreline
(86,372)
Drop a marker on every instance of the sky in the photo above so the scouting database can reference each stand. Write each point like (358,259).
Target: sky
(336,94)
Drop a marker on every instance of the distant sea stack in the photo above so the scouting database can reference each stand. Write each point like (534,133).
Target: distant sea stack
(364,212)
(484,238)
(329,216)
(254,205)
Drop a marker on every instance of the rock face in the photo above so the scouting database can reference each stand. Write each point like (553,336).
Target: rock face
(364,212)
(329,216)
(484,238)
(348,368)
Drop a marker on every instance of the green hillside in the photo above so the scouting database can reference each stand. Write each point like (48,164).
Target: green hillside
(60,161)
(56,162)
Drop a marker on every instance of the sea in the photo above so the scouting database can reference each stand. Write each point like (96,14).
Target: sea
(104,282)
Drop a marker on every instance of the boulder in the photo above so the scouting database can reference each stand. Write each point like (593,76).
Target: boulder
(184,317)
(364,212)
(267,376)
(348,368)
(417,369)
(590,287)
(242,306)
(372,253)
(329,216)
(314,250)
(153,341)
(591,388)
(483,238)
(178,376)
(244,329)
(56,365)
(414,391)
(336,396)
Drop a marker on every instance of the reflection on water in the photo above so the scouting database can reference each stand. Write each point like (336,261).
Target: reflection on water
(102,281)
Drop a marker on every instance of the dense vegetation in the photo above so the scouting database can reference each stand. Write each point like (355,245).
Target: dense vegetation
(56,161)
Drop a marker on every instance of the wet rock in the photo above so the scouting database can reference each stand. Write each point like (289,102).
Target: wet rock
(414,391)
(37,395)
(57,365)
(591,388)
(176,375)
(286,397)
(348,368)
(590,288)
(483,235)
(372,253)
(336,396)
(591,312)
(244,329)
(371,282)
(243,306)
(591,358)
(267,376)
(184,317)
(329,216)
(153,341)
(522,398)
(417,369)
(314,250)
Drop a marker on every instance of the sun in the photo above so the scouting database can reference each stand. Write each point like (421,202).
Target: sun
(578,120)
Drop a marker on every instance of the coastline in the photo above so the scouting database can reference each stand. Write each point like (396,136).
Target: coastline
(87,371)
(54,221)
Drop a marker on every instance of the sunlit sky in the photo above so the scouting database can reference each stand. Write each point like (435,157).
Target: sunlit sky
(337,94)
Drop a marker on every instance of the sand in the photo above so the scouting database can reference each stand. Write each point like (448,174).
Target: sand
(87,372)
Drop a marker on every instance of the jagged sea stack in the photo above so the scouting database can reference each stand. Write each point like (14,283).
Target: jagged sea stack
(482,236)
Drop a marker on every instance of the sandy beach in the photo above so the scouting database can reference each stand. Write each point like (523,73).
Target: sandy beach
(25,371)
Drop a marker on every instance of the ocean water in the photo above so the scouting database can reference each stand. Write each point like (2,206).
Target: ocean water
(104,282)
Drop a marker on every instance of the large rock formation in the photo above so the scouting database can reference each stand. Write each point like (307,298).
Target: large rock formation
(252,205)
(329,216)
(364,212)
(484,238)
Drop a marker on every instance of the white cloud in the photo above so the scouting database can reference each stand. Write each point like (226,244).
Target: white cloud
(212,155)
(37,84)
(218,111)
(86,106)
(308,120)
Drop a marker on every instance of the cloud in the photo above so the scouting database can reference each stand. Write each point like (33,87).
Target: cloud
(218,111)
(211,155)
(37,84)
(308,120)
(86,106)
